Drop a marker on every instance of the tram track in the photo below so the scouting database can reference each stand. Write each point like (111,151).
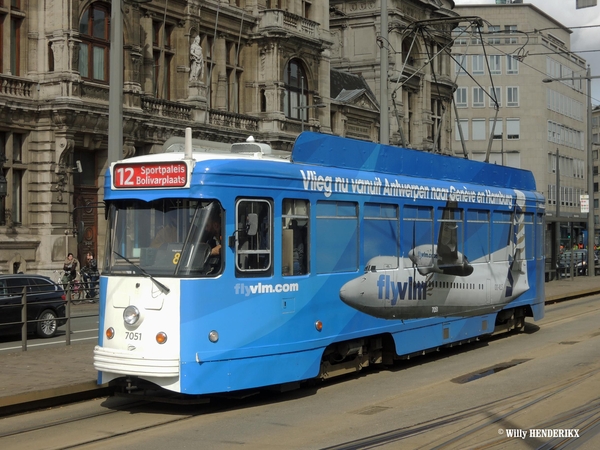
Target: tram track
(496,416)
(57,423)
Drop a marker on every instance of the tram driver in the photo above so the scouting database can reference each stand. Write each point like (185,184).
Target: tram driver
(213,230)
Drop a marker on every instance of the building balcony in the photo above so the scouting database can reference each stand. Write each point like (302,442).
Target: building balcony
(16,87)
(165,108)
(278,22)
(232,120)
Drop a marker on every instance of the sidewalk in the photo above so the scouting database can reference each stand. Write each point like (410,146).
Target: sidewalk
(568,288)
(43,373)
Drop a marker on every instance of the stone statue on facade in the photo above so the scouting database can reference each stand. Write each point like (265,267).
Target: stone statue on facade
(196,61)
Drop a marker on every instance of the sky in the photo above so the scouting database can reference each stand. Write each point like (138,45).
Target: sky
(584,40)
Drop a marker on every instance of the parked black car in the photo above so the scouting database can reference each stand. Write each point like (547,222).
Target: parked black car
(45,302)
(579,262)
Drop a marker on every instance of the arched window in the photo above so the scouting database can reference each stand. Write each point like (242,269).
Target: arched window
(296,98)
(94,29)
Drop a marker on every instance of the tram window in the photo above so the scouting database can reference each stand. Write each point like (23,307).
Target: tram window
(417,235)
(477,245)
(165,237)
(539,236)
(253,238)
(501,227)
(294,237)
(451,240)
(336,237)
(380,230)
(529,236)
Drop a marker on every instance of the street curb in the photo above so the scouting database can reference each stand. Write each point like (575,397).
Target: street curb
(575,294)
(52,397)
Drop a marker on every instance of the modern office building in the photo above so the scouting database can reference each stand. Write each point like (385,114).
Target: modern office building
(536,124)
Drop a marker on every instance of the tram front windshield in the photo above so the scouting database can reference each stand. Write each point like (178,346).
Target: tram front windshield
(168,237)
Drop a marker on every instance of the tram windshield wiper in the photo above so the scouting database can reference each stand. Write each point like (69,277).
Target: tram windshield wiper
(161,286)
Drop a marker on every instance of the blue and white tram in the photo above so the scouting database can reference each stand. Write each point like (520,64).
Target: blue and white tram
(231,270)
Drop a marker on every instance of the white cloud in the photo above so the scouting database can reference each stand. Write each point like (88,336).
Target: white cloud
(582,39)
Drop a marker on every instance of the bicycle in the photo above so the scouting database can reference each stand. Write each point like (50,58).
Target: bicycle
(74,286)
(89,286)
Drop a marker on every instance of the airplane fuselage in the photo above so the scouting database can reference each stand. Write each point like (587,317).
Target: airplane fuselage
(404,293)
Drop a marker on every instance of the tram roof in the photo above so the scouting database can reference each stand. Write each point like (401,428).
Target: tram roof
(324,150)
(334,151)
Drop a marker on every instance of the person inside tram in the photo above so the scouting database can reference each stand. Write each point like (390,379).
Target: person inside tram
(213,230)
(168,233)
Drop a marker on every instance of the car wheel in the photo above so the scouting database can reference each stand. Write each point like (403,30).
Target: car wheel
(46,327)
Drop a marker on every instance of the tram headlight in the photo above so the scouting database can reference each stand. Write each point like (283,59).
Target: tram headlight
(131,315)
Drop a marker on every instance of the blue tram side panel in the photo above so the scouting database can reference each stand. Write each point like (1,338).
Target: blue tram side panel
(347,253)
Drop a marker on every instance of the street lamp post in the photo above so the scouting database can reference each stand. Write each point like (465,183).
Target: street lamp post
(384,118)
(115,87)
(590,163)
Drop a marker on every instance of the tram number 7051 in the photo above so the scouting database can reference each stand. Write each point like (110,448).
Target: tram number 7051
(133,336)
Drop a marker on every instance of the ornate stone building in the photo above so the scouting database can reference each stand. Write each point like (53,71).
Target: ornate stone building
(225,68)
(420,85)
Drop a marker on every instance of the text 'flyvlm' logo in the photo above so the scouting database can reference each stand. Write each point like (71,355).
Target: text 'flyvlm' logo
(401,290)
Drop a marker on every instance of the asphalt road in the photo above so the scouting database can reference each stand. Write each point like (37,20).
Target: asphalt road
(84,328)
(473,396)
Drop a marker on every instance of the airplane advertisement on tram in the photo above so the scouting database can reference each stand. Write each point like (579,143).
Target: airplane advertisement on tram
(438,279)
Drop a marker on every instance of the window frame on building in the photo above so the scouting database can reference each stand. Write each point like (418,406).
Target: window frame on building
(464,124)
(512,65)
(498,96)
(477,65)
(511,38)
(479,133)
(495,64)
(13,17)
(163,56)
(513,129)
(14,168)
(460,65)
(493,31)
(511,93)
(478,94)
(461,97)
(295,101)
(94,65)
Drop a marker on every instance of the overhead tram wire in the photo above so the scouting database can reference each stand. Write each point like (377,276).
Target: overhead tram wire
(423,27)
(416,28)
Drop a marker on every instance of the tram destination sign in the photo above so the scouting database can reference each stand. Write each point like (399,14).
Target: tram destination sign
(164,174)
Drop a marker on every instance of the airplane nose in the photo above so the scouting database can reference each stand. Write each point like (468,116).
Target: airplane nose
(352,293)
